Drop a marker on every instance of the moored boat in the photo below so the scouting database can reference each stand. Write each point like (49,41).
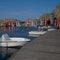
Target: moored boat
(37,32)
(5,41)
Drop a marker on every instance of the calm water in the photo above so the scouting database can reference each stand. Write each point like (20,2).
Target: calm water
(17,31)
(22,31)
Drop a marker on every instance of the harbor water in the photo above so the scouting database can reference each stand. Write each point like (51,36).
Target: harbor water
(6,53)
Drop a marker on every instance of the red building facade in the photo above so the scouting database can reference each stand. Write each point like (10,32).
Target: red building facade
(9,22)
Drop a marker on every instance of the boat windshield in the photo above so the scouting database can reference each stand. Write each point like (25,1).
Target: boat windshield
(5,37)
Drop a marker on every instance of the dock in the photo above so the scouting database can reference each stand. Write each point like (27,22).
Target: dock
(45,47)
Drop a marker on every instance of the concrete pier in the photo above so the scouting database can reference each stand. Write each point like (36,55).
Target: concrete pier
(46,47)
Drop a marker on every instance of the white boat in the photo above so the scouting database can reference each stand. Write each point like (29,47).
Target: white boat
(34,35)
(37,32)
(5,41)
(51,29)
(48,28)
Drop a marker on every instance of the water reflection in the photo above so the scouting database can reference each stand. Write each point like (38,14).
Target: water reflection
(17,31)
(5,53)
(8,29)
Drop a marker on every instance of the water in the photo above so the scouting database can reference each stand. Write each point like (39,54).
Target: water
(17,32)
(22,31)
(6,53)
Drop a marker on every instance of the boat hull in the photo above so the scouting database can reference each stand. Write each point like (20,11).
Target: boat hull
(37,32)
(51,29)
(14,42)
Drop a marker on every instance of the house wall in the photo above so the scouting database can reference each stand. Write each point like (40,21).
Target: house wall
(9,22)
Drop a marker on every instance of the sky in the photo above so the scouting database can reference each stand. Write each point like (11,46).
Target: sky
(24,9)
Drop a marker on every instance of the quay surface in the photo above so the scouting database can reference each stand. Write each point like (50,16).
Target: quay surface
(45,47)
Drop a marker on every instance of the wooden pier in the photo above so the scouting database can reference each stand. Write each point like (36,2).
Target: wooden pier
(45,47)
